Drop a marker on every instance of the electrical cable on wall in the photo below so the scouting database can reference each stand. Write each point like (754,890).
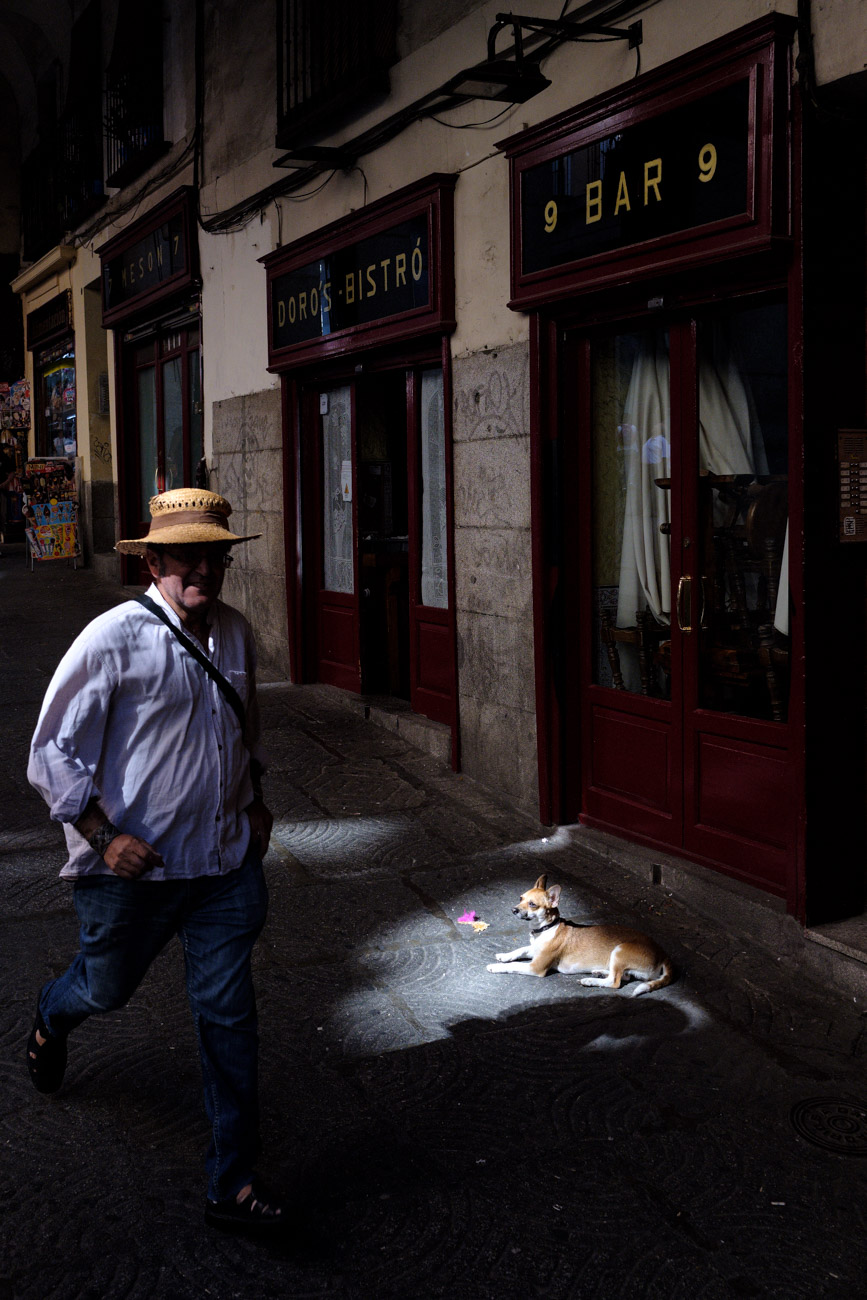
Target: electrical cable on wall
(237,217)
(234,219)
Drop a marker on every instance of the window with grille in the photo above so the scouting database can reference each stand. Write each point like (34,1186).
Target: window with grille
(80,128)
(332,56)
(62,177)
(134,93)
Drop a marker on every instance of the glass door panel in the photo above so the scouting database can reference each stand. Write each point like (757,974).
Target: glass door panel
(742,512)
(631,546)
(147,436)
(434,538)
(338,567)
(173,423)
(197,434)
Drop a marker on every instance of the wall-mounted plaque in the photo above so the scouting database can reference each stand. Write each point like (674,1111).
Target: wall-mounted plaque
(852,472)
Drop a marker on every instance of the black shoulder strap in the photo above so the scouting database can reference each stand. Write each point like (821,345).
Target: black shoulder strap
(229,692)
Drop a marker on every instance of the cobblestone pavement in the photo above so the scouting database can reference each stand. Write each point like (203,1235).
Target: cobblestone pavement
(443,1132)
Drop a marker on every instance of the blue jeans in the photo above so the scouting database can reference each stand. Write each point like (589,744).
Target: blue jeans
(124,925)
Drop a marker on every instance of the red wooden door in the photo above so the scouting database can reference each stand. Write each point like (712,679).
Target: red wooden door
(740,801)
(378,605)
(333,583)
(686,656)
(162,423)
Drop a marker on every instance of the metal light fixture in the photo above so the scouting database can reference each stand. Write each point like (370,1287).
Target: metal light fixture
(513,81)
(320,156)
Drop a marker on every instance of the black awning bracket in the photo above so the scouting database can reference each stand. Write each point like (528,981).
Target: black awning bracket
(563,31)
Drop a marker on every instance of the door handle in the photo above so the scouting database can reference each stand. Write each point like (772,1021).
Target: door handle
(684,602)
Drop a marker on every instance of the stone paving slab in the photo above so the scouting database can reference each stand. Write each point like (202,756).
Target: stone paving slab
(442,1132)
(355,845)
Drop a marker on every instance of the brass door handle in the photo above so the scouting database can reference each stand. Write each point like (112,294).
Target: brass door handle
(684,600)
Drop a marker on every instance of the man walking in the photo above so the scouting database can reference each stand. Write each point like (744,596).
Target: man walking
(147,749)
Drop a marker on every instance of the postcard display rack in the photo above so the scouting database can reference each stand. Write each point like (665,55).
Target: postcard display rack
(51,510)
(14,424)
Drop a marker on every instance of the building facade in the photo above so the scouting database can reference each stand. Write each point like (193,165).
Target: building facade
(533,345)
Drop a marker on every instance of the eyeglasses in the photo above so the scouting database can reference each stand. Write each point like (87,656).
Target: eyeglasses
(219,556)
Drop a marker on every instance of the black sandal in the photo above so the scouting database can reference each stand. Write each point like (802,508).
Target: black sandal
(45,1061)
(261,1212)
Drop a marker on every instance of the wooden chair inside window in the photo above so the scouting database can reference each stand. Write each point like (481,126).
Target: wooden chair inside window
(745,549)
(644,636)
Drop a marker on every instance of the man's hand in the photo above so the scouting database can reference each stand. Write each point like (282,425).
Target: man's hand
(261,822)
(129,857)
(126,855)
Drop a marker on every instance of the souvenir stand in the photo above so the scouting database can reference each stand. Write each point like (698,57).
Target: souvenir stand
(51,510)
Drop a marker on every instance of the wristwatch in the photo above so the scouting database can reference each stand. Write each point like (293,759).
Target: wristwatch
(100,839)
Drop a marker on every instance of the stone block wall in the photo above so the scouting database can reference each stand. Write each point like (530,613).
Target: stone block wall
(247,468)
(493,571)
(102,497)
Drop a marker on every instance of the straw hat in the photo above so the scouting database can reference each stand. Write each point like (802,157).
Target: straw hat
(182,516)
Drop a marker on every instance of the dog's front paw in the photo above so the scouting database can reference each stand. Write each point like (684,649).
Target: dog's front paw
(503,956)
(494,967)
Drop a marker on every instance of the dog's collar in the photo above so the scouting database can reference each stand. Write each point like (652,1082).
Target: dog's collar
(549,926)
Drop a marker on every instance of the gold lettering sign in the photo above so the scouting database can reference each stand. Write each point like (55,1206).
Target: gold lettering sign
(372,280)
(679,170)
(159,256)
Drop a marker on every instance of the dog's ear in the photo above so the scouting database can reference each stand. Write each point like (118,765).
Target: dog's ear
(541,882)
(554,896)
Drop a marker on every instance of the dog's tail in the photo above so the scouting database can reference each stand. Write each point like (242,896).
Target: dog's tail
(665,977)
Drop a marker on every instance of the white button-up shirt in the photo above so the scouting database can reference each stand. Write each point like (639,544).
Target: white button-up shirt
(131,718)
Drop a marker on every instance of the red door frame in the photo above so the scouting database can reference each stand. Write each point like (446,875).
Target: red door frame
(560,366)
(433,632)
(128,449)
(387,341)
(331,617)
(760,251)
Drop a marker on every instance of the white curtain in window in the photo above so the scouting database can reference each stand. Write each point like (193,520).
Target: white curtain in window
(645,569)
(730,442)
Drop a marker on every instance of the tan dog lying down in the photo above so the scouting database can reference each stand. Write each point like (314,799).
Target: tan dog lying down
(563,946)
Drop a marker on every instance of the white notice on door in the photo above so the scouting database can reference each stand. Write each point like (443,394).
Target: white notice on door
(346,480)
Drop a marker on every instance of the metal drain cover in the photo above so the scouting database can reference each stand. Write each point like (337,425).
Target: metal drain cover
(836,1125)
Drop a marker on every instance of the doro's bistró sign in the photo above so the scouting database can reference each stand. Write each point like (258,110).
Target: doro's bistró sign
(673,172)
(379,277)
